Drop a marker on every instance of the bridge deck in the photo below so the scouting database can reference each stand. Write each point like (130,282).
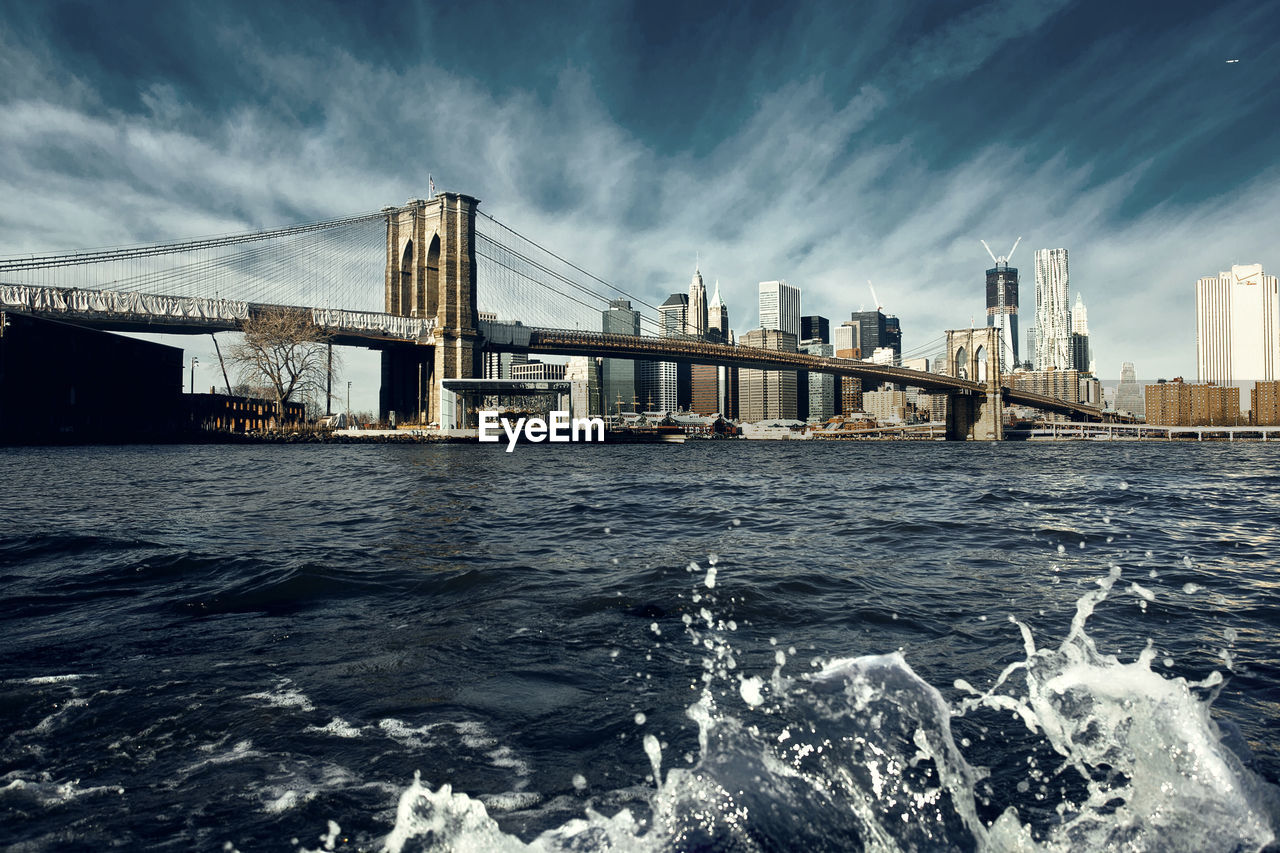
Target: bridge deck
(141,312)
(124,311)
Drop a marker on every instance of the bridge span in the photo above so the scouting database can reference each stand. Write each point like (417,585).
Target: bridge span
(504,336)
(435,265)
(512,336)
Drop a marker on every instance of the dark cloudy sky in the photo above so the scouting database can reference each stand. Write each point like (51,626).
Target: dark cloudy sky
(826,144)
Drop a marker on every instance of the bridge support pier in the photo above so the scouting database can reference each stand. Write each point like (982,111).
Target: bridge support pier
(975,417)
(974,354)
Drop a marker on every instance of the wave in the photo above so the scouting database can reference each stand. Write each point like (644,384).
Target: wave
(864,753)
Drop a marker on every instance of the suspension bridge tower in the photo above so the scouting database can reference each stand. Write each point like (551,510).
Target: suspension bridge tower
(974,354)
(431,274)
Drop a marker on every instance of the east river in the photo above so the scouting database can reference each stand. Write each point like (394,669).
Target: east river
(717,645)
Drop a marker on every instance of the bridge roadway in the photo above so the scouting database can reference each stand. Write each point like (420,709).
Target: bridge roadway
(125,311)
(138,312)
(505,336)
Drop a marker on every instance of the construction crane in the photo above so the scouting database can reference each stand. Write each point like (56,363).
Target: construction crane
(1004,259)
(874,301)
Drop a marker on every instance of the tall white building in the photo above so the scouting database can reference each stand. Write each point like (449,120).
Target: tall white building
(780,307)
(845,338)
(1238,326)
(1053,314)
(1081,352)
(1079,317)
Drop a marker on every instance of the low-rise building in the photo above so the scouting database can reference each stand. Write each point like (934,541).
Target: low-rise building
(230,413)
(1264,402)
(1062,384)
(1169,403)
(537,371)
(1213,405)
(1178,403)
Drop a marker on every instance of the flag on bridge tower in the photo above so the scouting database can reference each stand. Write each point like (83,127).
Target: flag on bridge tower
(432,185)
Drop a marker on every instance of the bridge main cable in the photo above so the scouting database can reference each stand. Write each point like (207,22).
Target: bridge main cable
(94,256)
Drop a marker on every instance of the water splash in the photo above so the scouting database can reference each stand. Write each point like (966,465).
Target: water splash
(861,755)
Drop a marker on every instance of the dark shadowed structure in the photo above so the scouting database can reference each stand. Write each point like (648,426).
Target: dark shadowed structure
(61,383)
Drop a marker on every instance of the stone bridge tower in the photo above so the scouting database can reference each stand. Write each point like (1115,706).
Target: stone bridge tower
(974,354)
(431,274)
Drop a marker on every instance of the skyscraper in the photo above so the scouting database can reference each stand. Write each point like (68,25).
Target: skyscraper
(1002,305)
(847,344)
(820,399)
(877,330)
(718,317)
(768,394)
(703,378)
(696,317)
(847,341)
(1129,393)
(1238,326)
(673,316)
(1081,356)
(1079,317)
(893,336)
(780,307)
(726,377)
(668,384)
(1053,316)
(618,375)
(815,328)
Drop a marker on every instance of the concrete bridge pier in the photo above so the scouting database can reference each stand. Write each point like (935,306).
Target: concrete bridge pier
(974,354)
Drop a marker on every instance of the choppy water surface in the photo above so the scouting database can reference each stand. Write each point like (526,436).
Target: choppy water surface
(736,646)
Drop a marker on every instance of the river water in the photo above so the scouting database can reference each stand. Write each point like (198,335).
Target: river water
(717,645)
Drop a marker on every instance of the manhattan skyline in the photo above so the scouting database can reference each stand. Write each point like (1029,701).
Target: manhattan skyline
(824,146)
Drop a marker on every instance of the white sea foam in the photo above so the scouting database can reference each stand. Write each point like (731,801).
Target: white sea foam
(48,679)
(337,727)
(243,749)
(861,753)
(510,801)
(284,696)
(46,792)
(288,800)
(407,735)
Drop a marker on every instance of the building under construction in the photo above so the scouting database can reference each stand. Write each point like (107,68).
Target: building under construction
(1002,305)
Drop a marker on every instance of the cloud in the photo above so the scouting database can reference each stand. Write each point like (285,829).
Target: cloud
(822,183)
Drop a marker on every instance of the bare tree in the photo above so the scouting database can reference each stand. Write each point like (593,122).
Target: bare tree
(285,350)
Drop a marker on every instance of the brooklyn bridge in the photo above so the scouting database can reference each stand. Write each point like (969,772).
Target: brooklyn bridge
(434,285)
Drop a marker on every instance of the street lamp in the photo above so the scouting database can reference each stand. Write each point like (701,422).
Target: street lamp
(348,402)
(194,363)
